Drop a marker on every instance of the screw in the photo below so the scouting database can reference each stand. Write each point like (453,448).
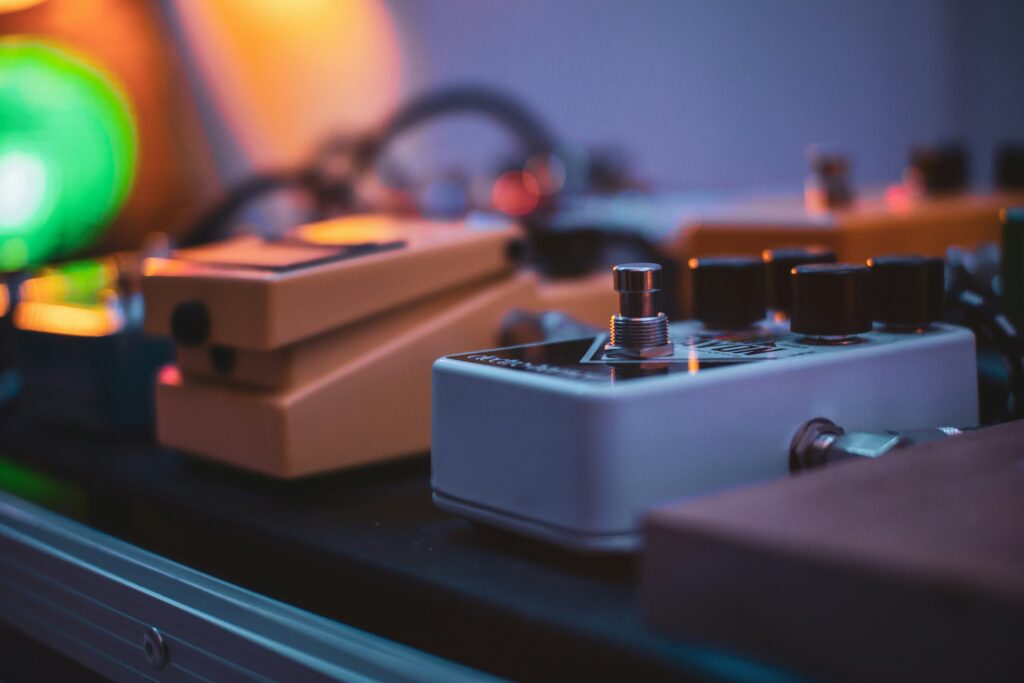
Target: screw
(154,648)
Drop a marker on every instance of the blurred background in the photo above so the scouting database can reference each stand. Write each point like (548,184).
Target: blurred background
(728,94)
(122,117)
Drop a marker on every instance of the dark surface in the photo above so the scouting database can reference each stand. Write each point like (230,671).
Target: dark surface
(368,548)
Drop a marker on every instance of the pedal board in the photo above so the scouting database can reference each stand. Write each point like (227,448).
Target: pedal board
(571,442)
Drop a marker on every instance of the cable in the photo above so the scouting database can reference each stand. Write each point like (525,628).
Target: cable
(214,223)
(533,136)
(331,174)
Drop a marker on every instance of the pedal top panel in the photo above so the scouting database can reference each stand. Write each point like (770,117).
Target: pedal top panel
(253,293)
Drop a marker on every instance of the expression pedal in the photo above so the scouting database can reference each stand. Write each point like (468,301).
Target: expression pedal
(313,353)
(572,441)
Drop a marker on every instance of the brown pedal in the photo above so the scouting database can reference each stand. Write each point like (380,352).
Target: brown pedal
(905,568)
(314,353)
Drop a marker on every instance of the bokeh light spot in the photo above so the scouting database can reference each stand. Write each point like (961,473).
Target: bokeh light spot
(22,188)
(13,253)
(68,151)
(516,193)
(17,5)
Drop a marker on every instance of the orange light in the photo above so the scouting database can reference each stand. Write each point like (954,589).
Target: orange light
(287,73)
(350,230)
(75,321)
(15,5)
(155,265)
(692,362)
(55,285)
(5,300)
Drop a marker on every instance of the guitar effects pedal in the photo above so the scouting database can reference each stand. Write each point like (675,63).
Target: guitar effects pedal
(313,352)
(572,441)
(932,210)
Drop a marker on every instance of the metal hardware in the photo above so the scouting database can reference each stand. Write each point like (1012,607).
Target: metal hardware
(62,582)
(639,329)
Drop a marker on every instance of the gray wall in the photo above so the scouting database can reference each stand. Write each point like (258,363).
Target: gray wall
(728,93)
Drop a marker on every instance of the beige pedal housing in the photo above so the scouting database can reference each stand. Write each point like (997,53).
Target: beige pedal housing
(313,361)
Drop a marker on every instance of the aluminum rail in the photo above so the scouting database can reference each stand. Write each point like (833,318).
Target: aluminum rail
(133,616)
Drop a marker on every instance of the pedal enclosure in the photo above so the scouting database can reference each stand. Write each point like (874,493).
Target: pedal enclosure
(556,442)
(319,346)
(318,349)
(356,396)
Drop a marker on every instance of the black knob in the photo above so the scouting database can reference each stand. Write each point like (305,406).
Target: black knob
(779,264)
(728,291)
(907,291)
(831,301)
(190,323)
(1011,266)
(832,177)
(1010,166)
(941,169)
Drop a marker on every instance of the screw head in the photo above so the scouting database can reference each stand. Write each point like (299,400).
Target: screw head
(154,648)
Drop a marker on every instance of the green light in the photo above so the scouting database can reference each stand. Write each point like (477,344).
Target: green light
(68,150)
(40,488)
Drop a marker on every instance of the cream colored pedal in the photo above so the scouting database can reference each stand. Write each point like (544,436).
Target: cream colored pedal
(305,361)
(257,294)
(313,352)
(356,396)
(587,298)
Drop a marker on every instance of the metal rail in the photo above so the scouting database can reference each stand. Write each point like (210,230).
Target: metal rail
(131,615)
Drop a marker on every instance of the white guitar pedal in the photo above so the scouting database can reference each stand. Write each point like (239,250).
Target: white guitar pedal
(572,441)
